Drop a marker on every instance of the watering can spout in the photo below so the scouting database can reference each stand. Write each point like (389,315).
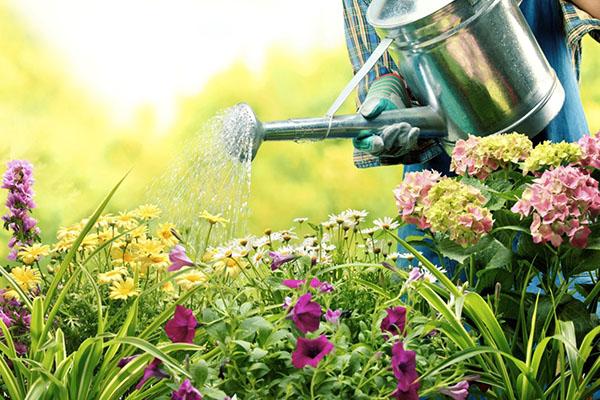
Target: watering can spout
(432,125)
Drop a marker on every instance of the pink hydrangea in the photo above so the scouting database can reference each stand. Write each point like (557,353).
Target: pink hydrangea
(563,202)
(479,157)
(411,196)
(590,148)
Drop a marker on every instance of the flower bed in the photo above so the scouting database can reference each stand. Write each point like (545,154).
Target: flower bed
(121,306)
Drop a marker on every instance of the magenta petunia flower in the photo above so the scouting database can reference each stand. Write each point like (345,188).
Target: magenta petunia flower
(182,327)
(186,392)
(293,283)
(333,316)
(179,259)
(152,371)
(395,320)
(126,360)
(404,364)
(460,391)
(278,259)
(306,314)
(324,287)
(311,351)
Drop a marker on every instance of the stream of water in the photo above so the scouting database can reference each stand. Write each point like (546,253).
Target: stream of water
(213,173)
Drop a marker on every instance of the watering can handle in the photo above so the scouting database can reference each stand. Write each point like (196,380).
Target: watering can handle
(364,70)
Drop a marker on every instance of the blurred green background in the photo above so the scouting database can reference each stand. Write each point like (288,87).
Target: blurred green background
(79,153)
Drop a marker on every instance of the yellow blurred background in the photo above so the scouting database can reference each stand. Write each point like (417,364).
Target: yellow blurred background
(79,150)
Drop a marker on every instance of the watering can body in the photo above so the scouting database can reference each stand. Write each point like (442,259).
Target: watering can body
(474,66)
(476,62)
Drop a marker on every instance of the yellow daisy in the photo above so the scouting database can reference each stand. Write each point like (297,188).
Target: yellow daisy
(126,220)
(122,290)
(27,277)
(191,279)
(165,233)
(148,211)
(113,275)
(121,255)
(213,219)
(11,295)
(168,288)
(30,254)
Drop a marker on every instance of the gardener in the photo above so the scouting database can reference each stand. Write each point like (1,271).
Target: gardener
(559,27)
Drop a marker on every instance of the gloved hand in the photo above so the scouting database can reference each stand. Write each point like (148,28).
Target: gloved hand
(387,93)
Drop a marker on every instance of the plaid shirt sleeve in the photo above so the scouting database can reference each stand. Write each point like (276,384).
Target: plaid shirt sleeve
(578,23)
(361,40)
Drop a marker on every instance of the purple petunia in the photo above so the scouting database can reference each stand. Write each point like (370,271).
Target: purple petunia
(179,259)
(404,364)
(126,360)
(460,391)
(306,314)
(278,259)
(182,327)
(333,316)
(324,287)
(18,180)
(186,392)
(152,371)
(311,351)
(394,321)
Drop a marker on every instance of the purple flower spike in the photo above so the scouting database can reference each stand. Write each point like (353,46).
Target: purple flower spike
(311,351)
(306,314)
(460,391)
(394,321)
(186,392)
(152,371)
(333,316)
(182,327)
(18,180)
(404,366)
(179,259)
(278,259)
(5,318)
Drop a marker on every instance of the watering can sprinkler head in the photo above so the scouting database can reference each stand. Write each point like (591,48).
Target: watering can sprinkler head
(245,132)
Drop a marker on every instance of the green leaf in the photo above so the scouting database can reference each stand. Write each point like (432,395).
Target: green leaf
(64,265)
(253,325)
(199,373)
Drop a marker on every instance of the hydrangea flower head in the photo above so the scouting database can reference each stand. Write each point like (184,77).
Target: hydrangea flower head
(547,155)
(590,149)
(457,210)
(411,196)
(563,202)
(479,157)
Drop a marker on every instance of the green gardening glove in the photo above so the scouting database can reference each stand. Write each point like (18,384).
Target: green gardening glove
(386,93)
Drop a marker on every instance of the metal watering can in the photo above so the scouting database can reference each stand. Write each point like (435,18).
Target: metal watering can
(474,65)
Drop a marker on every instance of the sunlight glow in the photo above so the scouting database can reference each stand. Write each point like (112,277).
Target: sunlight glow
(132,53)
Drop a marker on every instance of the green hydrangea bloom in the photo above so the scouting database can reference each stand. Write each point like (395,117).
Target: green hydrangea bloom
(547,154)
(458,211)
